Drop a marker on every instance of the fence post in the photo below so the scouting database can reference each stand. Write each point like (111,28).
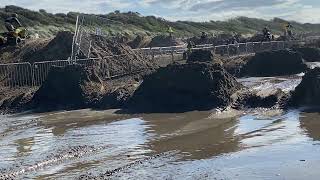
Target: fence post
(172,55)
(246,48)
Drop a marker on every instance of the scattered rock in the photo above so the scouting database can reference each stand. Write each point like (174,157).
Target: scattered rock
(72,86)
(307,92)
(275,63)
(185,87)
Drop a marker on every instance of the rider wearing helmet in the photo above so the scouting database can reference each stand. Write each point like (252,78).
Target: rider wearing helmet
(12,22)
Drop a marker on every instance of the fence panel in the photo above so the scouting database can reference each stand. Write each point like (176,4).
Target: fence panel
(233,49)
(266,46)
(221,50)
(242,48)
(16,74)
(274,45)
(250,47)
(257,47)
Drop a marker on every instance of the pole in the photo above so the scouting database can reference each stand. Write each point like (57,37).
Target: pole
(74,39)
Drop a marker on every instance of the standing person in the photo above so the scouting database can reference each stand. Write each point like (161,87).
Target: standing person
(12,23)
(170,31)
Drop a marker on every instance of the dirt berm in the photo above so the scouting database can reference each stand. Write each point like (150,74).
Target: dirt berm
(201,56)
(72,86)
(275,63)
(307,92)
(164,41)
(119,57)
(141,41)
(185,87)
(309,54)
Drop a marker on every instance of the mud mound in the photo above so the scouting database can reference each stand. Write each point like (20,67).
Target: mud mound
(201,56)
(275,63)
(71,86)
(118,97)
(119,57)
(307,92)
(24,52)
(234,65)
(164,41)
(17,103)
(185,87)
(140,42)
(58,48)
(309,54)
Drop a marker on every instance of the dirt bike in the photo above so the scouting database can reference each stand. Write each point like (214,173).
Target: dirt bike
(13,37)
(267,37)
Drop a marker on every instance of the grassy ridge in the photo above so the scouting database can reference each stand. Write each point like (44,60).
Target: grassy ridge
(132,23)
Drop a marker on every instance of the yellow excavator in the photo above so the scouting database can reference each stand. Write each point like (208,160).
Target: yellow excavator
(13,37)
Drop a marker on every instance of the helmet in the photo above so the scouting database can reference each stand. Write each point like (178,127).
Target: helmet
(14,15)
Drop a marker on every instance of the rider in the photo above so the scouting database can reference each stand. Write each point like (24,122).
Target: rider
(266,33)
(170,31)
(289,29)
(12,22)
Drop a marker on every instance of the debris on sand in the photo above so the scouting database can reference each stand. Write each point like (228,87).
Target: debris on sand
(309,54)
(275,63)
(72,86)
(307,92)
(185,87)
(201,56)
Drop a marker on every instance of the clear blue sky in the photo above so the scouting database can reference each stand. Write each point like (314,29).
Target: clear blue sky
(196,10)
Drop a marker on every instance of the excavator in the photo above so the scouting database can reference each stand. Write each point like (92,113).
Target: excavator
(14,37)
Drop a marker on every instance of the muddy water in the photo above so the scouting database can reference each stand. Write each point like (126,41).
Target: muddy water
(256,144)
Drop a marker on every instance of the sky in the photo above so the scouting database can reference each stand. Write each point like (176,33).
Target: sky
(193,10)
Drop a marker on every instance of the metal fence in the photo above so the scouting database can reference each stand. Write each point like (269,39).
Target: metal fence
(26,74)
(229,50)
(16,74)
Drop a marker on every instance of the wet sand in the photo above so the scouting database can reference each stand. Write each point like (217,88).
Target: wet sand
(255,144)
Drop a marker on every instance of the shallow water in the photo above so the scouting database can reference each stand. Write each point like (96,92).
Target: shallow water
(257,144)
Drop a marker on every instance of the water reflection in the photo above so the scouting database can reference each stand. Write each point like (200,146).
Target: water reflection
(310,123)
(206,135)
(196,134)
(24,146)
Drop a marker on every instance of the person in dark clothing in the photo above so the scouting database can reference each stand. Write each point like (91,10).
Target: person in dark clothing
(12,23)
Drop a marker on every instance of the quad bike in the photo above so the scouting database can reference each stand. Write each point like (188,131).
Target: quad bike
(14,37)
